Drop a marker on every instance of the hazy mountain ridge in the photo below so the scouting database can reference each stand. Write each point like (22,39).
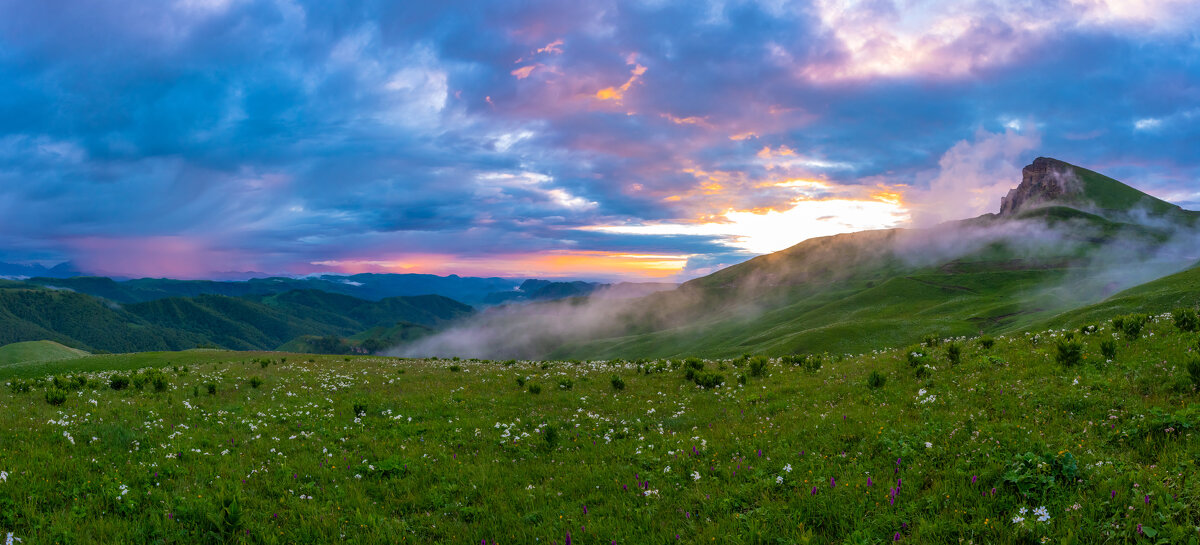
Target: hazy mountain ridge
(473,291)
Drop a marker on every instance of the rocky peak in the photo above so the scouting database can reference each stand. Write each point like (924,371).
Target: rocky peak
(1045,180)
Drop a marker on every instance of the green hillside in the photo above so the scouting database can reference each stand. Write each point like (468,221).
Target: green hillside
(1180,290)
(31,351)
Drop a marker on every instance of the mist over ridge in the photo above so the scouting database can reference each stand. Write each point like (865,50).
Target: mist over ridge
(1063,238)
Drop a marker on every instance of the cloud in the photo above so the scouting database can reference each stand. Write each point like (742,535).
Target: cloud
(972,176)
(272,134)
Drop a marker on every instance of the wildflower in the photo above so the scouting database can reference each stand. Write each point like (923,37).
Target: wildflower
(869,483)
(1042,513)
(695,475)
(779,479)
(1017,519)
(3,476)
(787,468)
(11,539)
(667,469)
(928,444)
(832,483)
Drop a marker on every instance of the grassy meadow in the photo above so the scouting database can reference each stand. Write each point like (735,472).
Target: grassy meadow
(1081,436)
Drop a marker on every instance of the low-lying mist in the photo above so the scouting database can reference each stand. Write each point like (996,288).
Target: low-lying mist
(1099,260)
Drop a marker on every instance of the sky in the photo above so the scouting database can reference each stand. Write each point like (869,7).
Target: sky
(641,140)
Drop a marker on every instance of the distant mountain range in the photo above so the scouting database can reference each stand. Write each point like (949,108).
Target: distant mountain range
(252,322)
(469,290)
(315,314)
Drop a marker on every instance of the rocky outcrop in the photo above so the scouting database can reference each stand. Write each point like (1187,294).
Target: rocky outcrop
(1044,181)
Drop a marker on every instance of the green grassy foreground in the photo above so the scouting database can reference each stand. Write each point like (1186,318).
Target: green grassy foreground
(895,445)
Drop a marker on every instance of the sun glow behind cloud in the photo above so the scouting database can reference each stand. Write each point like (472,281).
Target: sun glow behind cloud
(773,230)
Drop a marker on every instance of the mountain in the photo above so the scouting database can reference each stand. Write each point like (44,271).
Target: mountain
(33,312)
(363,286)
(16,270)
(1065,237)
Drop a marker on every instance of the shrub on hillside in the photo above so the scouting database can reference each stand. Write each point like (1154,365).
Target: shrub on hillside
(808,362)
(1108,349)
(930,341)
(708,380)
(954,353)
(1130,325)
(917,356)
(1186,320)
(119,382)
(54,396)
(255,382)
(987,342)
(565,384)
(1069,353)
(159,381)
(1193,369)
(535,389)
(876,380)
(212,389)
(617,383)
(758,366)
(19,386)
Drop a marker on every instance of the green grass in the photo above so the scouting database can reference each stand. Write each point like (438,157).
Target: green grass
(461,451)
(32,351)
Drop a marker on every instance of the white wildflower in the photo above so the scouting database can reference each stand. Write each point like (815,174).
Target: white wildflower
(779,479)
(928,444)
(787,468)
(3,476)
(695,475)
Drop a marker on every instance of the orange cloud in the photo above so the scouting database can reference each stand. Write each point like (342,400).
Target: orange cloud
(554,48)
(690,120)
(616,94)
(781,151)
(742,136)
(524,71)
